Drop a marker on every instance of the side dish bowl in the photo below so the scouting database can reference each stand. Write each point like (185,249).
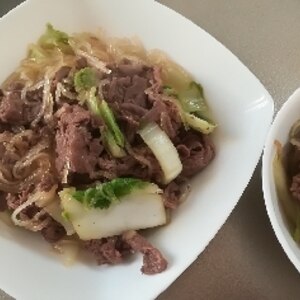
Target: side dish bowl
(286,117)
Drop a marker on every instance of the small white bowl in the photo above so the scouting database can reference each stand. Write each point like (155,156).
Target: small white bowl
(288,114)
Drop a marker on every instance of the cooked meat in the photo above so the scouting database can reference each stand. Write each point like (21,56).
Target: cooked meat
(53,231)
(47,182)
(153,261)
(295,187)
(77,151)
(15,200)
(172,195)
(107,251)
(35,95)
(62,73)
(81,63)
(196,152)
(3,202)
(14,111)
(135,92)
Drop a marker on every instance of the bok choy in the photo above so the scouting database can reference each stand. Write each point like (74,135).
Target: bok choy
(163,149)
(85,82)
(193,108)
(51,40)
(108,208)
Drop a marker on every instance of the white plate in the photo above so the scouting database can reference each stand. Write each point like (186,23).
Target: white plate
(241,105)
(286,117)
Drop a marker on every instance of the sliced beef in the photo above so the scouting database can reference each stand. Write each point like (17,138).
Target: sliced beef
(53,231)
(47,182)
(165,113)
(15,200)
(15,86)
(81,63)
(196,151)
(11,109)
(295,187)
(3,202)
(135,93)
(114,91)
(35,95)
(107,250)
(62,73)
(127,83)
(77,151)
(153,261)
(107,167)
(132,110)
(14,111)
(140,164)
(172,194)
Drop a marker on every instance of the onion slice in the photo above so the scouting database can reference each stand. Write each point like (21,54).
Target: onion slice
(163,149)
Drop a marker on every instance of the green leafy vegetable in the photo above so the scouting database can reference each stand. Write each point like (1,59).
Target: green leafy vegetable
(111,123)
(48,44)
(93,102)
(133,204)
(104,194)
(54,38)
(193,109)
(37,53)
(192,101)
(65,215)
(169,91)
(110,144)
(84,80)
(199,124)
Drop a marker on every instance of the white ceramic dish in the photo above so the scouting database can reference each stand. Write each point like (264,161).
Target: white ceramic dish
(241,105)
(286,117)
